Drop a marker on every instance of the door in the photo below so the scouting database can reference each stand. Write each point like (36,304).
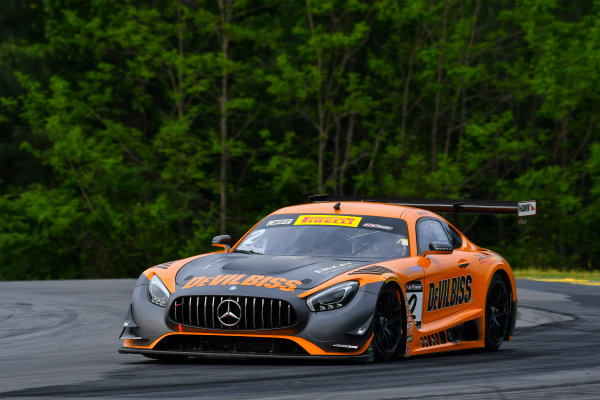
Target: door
(448,286)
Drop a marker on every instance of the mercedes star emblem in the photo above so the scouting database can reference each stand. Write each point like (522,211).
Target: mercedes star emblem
(229,312)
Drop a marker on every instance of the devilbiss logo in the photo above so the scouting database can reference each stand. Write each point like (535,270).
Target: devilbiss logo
(449,293)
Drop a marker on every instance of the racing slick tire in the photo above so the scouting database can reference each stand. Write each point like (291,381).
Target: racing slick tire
(497,312)
(389,338)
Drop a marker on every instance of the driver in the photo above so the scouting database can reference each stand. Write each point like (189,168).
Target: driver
(384,245)
(401,246)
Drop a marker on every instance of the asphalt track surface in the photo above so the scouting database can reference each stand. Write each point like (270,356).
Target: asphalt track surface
(59,339)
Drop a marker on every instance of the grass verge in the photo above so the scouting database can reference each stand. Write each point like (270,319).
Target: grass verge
(593,276)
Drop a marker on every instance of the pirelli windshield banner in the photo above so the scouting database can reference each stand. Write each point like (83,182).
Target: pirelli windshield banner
(394,225)
(333,220)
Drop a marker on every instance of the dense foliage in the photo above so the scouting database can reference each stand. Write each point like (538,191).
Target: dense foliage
(134,131)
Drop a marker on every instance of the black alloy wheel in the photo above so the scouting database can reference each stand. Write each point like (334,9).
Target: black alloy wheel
(497,312)
(389,323)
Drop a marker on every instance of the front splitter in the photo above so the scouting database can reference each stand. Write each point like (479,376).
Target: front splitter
(246,356)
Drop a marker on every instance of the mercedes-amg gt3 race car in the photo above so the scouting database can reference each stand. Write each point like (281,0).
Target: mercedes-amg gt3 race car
(357,278)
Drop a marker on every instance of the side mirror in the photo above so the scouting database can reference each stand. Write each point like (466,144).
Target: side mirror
(223,241)
(438,248)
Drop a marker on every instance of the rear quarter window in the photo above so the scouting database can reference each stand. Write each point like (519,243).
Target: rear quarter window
(455,239)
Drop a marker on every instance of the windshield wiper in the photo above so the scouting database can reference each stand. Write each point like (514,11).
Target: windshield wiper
(246,252)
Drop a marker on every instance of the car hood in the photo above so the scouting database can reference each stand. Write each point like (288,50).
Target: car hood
(307,272)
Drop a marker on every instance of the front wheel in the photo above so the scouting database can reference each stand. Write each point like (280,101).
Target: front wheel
(389,324)
(497,313)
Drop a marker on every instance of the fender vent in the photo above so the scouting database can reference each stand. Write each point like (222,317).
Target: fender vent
(372,270)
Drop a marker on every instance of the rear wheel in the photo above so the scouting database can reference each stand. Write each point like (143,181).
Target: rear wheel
(497,313)
(389,324)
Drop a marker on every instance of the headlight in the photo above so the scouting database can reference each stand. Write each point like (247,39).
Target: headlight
(158,292)
(333,297)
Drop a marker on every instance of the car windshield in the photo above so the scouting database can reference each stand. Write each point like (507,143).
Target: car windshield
(328,235)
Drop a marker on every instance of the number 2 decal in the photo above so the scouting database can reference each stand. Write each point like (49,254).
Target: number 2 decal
(414,297)
(412,303)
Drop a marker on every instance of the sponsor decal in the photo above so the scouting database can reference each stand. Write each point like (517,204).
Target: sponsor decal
(449,293)
(444,248)
(485,257)
(414,301)
(408,340)
(279,222)
(377,226)
(345,346)
(331,220)
(415,269)
(289,257)
(333,267)
(253,249)
(410,325)
(525,208)
(409,331)
(403,242)
(415,286)
(269,282)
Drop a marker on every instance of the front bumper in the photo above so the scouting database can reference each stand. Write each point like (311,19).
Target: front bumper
(345,333)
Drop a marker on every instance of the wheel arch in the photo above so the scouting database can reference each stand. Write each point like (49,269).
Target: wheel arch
(396,284)
(393,282)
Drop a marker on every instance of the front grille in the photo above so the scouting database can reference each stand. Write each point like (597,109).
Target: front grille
(254,312)
(230,345)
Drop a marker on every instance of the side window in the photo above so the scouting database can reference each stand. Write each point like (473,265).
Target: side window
(429,231)
(455,238)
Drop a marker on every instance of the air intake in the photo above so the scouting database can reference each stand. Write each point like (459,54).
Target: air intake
(230,345)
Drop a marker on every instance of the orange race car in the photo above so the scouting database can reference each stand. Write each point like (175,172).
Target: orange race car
(358,278)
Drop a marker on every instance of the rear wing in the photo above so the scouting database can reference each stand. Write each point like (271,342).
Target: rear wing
(519,208)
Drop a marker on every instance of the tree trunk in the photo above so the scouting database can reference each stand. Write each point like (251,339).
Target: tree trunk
(349,135)
(466,61)
(225,10)
(320,109)
(438,94)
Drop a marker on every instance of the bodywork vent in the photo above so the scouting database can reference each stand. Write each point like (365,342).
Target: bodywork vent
(230,345)
(434,339)
(372,270)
